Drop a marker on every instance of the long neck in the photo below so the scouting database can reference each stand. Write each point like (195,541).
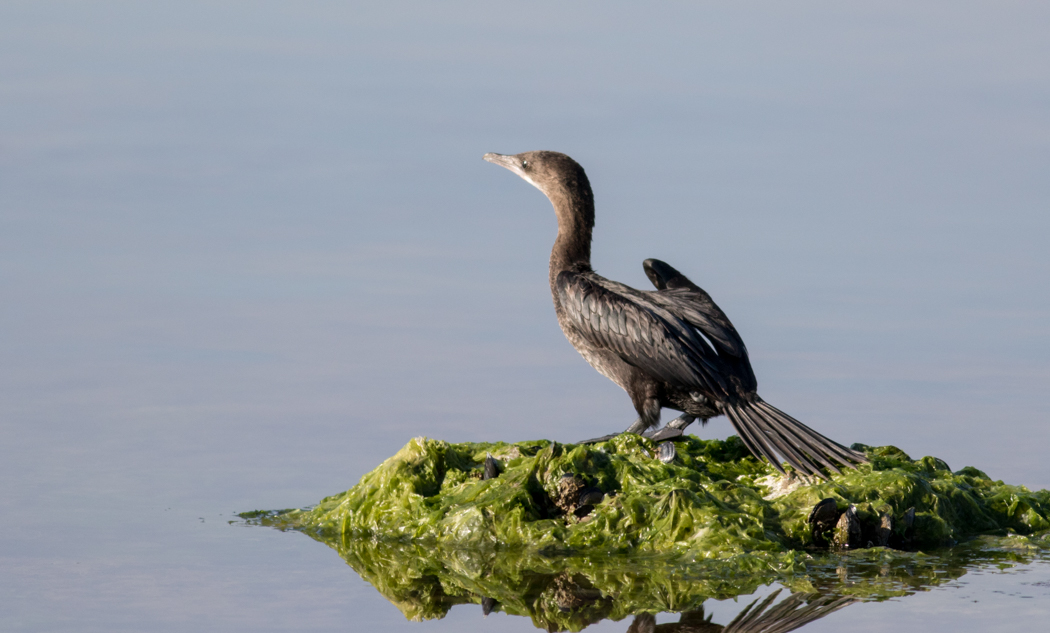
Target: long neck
(572,248)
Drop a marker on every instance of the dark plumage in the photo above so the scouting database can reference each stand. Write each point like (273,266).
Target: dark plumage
(795,611)
(670,348)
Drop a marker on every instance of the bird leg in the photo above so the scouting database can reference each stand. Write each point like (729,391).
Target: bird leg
(637,428)
(672,429)
(681,422)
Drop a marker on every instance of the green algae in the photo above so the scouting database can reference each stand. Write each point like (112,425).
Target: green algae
(715,501)
(429,532)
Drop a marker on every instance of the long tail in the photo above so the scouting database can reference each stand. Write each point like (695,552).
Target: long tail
(766,431)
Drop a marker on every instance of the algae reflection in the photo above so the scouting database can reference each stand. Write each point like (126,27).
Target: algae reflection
(565,592)
(568,535)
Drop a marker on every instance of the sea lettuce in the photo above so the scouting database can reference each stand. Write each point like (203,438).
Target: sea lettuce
(429,531)
(713,501)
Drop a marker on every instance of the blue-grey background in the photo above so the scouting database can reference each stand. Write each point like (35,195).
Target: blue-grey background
(249,249)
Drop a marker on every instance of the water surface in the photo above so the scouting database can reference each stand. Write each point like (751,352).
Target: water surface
(248,250)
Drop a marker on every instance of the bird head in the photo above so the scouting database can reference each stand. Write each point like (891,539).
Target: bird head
(549,172)
(559,177)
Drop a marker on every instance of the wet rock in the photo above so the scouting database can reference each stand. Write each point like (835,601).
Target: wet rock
(574,593)
(569,488)
(573,498)
(847,530)
(666,452)
(822,520)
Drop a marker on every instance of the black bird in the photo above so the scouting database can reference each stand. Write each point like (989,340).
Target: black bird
(672,348)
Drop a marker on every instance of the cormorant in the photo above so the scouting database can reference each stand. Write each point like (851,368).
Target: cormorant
(669,348)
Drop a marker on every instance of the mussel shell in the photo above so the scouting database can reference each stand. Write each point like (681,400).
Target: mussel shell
(667,452)
(591,497)
(491,467)
(825,513)
(487,605)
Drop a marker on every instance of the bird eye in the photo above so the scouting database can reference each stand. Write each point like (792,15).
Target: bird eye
(524,164)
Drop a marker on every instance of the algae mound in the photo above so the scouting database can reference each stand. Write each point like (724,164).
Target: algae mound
(714,502)
(572,534)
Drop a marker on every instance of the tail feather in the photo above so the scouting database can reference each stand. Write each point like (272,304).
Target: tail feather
(809,445)
(766,431)
(794,448)
(749,436)
(846,455)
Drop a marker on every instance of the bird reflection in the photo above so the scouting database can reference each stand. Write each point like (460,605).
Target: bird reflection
(795,611)
(575,596)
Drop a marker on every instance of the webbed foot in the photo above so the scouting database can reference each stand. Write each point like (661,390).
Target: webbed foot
(671,430)
(637,427)
(674,428)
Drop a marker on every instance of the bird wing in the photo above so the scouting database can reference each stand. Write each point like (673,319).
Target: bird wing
(677,293)
(616,317)
(698,310)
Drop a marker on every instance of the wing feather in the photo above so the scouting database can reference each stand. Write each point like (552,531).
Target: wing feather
(642,332)
(694,305)
(677,294)
(697,309)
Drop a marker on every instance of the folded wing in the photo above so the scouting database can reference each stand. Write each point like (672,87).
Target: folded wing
(640,330)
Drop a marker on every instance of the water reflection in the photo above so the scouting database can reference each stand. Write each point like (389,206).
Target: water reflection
(792,613)
(566,592)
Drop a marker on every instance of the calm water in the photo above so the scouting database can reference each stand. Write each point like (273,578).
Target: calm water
(247,251)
